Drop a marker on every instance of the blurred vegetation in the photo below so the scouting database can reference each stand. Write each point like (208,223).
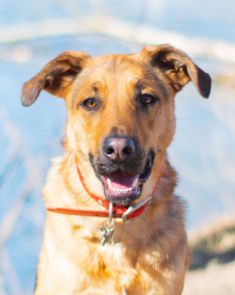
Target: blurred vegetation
(216,245)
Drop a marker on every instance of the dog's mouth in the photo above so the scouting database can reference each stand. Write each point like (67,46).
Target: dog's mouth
(122,188)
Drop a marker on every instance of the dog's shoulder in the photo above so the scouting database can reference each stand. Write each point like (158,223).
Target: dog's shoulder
(55,185)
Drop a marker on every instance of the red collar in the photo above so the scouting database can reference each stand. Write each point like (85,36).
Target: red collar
(118,212)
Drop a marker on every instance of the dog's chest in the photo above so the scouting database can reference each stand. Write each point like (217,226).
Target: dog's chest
(108,267)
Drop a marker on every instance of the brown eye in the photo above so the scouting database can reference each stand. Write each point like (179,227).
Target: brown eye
(148,99)
(90,104)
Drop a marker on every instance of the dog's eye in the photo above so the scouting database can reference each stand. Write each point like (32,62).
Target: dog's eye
(148,99)
(90,103)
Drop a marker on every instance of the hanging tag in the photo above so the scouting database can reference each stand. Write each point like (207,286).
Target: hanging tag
(106,232)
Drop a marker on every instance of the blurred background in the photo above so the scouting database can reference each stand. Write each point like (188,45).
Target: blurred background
(203,153)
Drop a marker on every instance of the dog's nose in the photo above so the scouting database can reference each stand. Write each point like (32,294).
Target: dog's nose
(119,148)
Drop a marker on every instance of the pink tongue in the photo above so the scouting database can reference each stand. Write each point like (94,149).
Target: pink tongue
(122,180)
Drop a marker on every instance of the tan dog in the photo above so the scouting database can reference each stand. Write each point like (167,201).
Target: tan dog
(120,122)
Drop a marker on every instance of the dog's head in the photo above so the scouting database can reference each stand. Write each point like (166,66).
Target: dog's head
(120,110)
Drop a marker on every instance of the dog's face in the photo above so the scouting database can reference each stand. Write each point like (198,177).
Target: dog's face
(120,110)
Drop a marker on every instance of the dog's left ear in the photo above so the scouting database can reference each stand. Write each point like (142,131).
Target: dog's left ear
(178,68)
(56,77)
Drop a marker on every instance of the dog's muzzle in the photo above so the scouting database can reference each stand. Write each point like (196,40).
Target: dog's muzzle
(123,169)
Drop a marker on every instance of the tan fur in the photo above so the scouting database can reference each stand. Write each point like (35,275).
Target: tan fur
(149,255)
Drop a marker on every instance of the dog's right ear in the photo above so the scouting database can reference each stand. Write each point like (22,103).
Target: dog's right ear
(56,77)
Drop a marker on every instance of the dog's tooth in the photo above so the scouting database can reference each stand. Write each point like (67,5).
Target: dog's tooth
(135,183)
(119,190)
(115,190)
(109,183)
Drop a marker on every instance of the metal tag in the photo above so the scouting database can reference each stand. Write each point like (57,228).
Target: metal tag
(106,232)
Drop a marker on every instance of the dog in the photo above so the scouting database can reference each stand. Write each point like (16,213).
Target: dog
(113,224)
